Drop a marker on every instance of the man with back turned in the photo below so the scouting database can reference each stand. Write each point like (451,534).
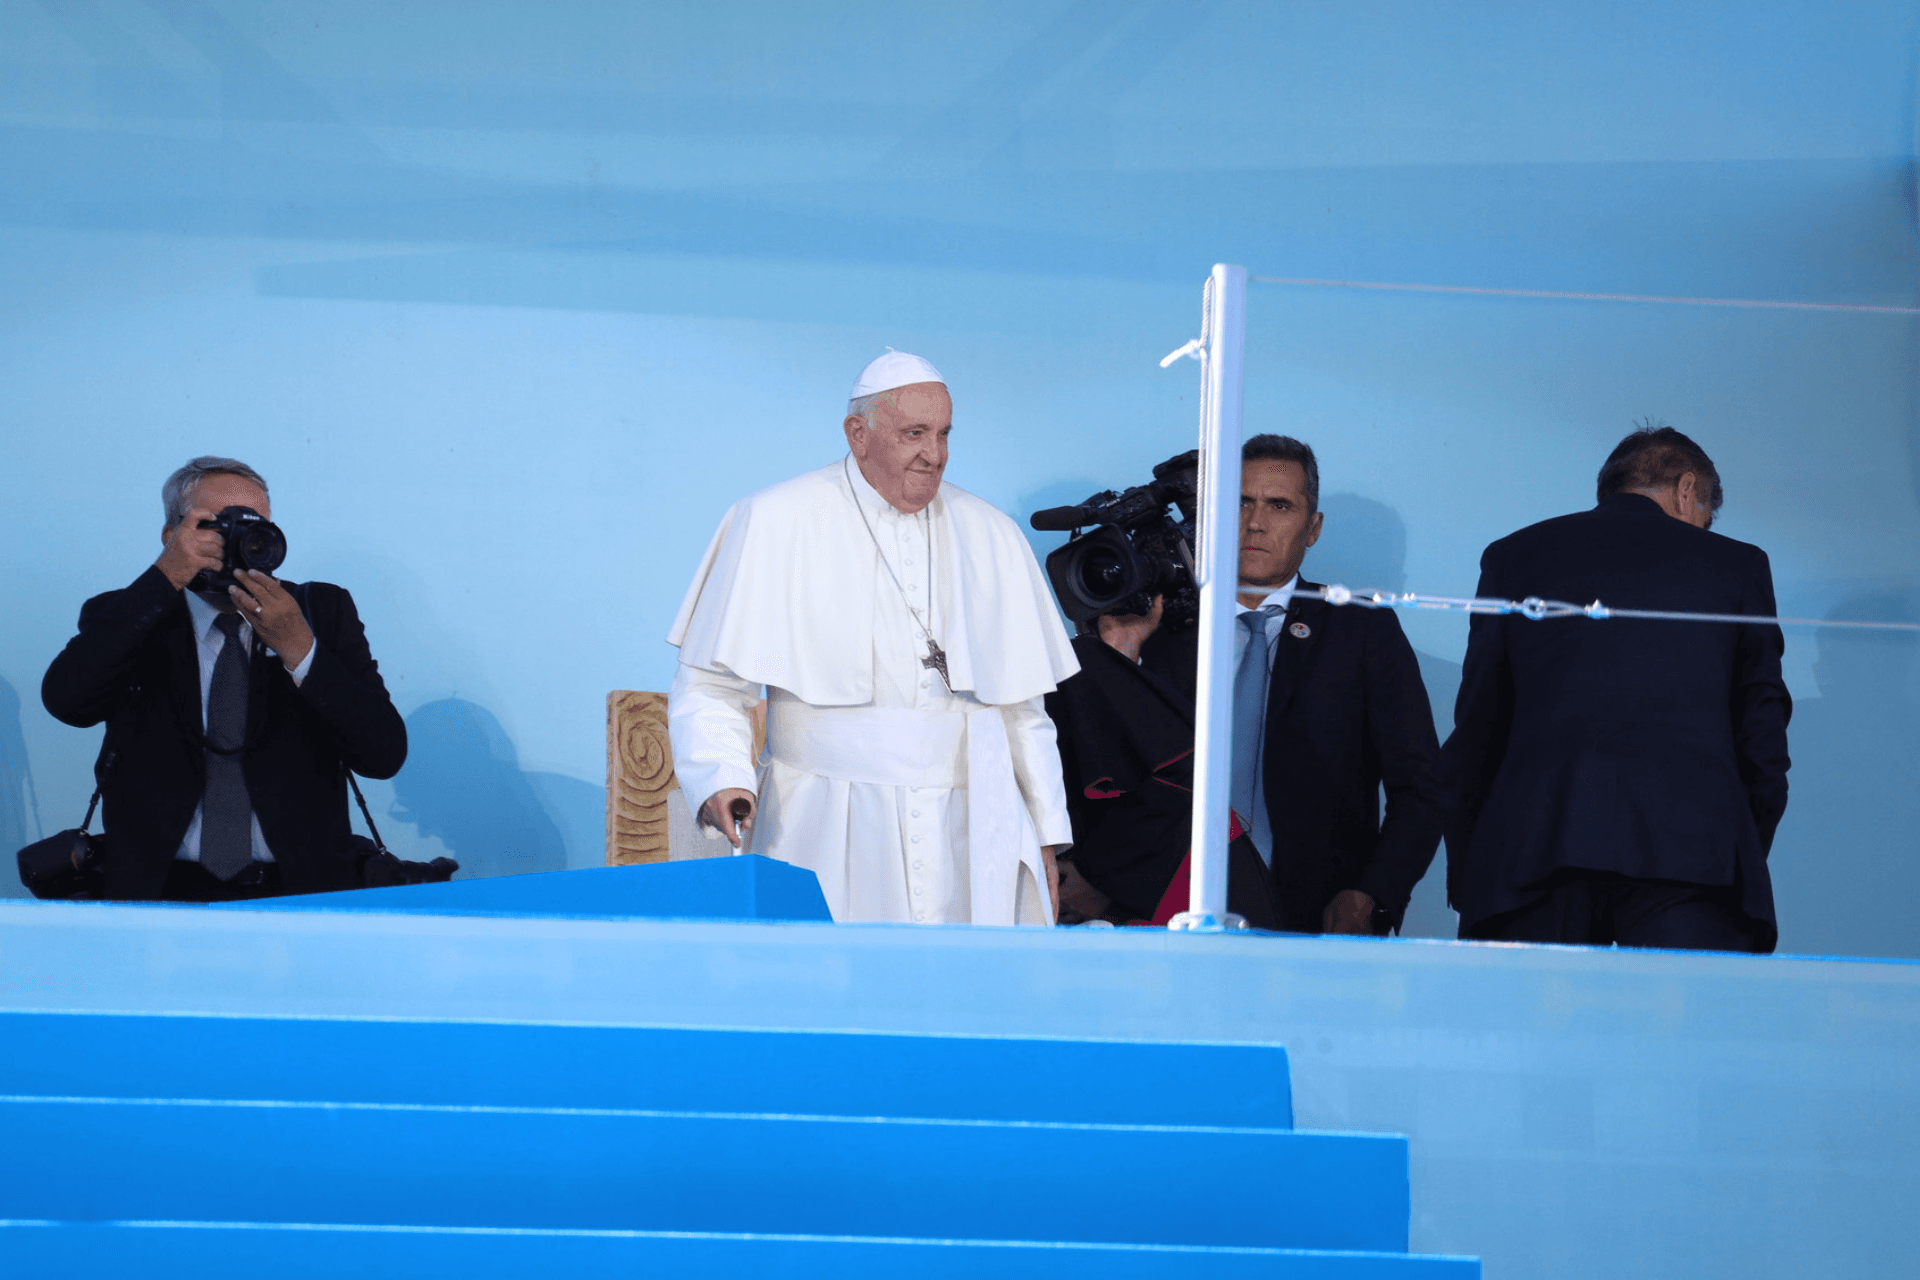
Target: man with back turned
(1619,781)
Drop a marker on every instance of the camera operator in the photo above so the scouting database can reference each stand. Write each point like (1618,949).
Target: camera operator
(233,704)
(1328,707)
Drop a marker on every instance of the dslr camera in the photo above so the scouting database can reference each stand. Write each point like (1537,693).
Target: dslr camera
(1136,550)
(252,542)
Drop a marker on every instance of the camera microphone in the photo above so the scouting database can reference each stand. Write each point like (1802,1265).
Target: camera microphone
(1060,519)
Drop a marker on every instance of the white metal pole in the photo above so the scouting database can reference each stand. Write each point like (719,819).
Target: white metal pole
(1218,561)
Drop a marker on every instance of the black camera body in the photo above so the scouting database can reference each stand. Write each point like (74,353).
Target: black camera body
(1137,552)
(252,542)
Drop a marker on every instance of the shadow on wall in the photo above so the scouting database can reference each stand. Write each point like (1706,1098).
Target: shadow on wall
(19,816)
(463,786)
(1846,863)
(1364,545)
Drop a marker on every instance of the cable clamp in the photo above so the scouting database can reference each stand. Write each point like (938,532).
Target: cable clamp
(1193,348)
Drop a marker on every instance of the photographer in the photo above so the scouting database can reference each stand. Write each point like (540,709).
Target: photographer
(234,706)
(1328,707)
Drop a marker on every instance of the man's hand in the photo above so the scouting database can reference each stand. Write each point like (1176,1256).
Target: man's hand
(717,813)
(1127,632)
(275,615)
(1079,900)
(1351,911)
(190,549)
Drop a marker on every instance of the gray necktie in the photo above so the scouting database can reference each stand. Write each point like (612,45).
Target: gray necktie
(1250,725)
(226,812)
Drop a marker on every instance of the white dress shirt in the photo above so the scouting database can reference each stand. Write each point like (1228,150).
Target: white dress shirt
(208,641)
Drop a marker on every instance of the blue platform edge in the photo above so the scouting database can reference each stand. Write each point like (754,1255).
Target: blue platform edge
(294,1251)
(744,887)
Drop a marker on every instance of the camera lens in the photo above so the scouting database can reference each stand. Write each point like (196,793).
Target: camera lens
(260,546)
(1102,573)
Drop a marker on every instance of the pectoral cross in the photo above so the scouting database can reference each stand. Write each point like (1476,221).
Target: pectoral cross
(936,660)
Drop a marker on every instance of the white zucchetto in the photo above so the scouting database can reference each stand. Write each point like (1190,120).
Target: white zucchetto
(894,369)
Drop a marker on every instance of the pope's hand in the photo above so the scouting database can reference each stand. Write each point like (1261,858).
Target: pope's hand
(717,813)
(1053,876)
(1079,900)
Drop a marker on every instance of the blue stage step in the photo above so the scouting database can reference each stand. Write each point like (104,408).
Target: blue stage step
(195,1251)
(747,887)
(646,1068)
(264,1162)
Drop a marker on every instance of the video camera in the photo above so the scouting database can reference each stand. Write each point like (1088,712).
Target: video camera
(1138,551)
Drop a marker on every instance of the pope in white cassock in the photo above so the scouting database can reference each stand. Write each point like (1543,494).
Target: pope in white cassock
(905,639)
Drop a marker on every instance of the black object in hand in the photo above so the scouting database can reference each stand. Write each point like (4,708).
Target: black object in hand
(252,542)
(741,810)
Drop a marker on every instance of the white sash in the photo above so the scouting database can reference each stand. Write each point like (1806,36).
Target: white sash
(952,750)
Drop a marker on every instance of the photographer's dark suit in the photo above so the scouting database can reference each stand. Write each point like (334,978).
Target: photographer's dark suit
(134,665)
(1639,764)
(1346,713)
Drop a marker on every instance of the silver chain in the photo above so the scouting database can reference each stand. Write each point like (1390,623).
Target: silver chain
(926,630)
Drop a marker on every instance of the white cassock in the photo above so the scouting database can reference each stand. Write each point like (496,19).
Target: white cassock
(910,801)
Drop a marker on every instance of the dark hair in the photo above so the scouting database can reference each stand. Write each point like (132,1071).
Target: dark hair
(1272,448)
(1655,457)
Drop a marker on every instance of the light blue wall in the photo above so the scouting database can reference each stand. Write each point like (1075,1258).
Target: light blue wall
(509,301)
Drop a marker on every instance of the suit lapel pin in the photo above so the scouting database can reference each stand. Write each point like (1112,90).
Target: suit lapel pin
(1299,631)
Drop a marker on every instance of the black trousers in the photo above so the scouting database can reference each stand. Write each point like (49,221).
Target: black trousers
(191,882)
(1601,909)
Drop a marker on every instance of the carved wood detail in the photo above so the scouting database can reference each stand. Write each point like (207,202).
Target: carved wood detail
(639,777)
(640,774)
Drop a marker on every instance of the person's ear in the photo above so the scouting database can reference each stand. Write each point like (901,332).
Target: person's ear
(1686,491)
(856,428)
(1313,527)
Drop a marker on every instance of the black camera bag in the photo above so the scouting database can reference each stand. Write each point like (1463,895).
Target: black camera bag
(369,866)
(67,865)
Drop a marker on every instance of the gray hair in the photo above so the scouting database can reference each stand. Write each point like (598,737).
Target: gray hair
(178,490)
(862,407)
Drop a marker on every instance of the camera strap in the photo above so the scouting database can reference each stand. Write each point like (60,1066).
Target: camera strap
(299,590)
(106,767)
(366,813)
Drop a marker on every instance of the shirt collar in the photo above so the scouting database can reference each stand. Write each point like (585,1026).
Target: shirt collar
(203,615)
(1280,597)
(869,497)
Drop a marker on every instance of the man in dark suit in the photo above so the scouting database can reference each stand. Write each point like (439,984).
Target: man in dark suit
(1328,708)
(232,715)
(1619,781)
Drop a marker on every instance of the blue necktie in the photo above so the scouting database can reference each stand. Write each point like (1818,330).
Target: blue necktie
(1250,726)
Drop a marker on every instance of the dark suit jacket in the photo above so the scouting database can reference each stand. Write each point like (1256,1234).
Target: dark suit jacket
(1126,755)
(134,665)
(1651,749)
(1346,714)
